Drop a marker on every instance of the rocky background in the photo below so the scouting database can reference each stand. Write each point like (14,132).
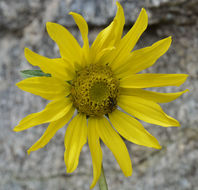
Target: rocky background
(22,24)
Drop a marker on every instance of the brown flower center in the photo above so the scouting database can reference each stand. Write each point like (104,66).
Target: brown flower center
(94,90)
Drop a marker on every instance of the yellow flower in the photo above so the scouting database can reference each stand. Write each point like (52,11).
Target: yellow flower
(99,82)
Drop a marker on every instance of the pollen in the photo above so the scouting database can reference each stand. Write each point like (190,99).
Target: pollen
(94,90)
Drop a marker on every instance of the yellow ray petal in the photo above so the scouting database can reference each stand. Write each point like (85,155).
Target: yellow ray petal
(114,142)
(110,36)
(51,131)
(103,56)
(120,23)
(157,97)
(152,80)
(130,39)
(105,39)
(75,138)
(53,111)
(143,58)
(58,68)
(95,149)
(132,130)
(68,45)
(146,110)
(47,87)
(83,27)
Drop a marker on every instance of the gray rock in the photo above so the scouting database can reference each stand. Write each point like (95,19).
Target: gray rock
(22,24)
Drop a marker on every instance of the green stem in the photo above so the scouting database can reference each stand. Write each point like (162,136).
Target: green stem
(102,180)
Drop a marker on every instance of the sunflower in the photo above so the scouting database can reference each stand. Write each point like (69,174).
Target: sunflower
(101,83)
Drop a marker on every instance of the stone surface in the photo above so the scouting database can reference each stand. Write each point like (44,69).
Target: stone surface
(22,24)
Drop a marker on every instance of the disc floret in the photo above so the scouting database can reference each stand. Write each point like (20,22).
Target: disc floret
(94,90)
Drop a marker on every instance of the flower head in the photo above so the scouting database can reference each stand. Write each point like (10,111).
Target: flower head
(100,81)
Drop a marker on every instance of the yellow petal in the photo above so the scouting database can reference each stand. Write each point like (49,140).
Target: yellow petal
(152,80)
(53,111)
(83,27)
(104,40)
(114,142)
(110,36)
(75,138)
(95,149)
(120,23)
(157,97)
(143,58)
(51,131)
(103,56)
(146,110)
(132,130)
(68,45)
(58,68)
(47,87)
(130,39)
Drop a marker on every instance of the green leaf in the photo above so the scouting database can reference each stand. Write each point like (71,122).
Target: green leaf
(34,73)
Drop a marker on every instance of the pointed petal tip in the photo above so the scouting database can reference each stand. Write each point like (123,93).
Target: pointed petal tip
(18,84)
(184,91)
(72,13)
(186,75)
(129,173)
(143,14)
(187,90)
(16,129)
(118,4)
(163,44)
(173,122)
(94,182)
(26,50)
(92,185)
(29,151)
(158,146)
(69,170)
(168,39)
(49,25)
(177,124)
(183,78)
(143,10)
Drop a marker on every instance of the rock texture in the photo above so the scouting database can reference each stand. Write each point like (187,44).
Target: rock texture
(22,24)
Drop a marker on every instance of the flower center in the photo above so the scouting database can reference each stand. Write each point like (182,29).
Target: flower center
(94,90)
